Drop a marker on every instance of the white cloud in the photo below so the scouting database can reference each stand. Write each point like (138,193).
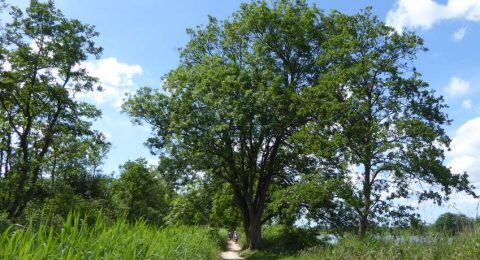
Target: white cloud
(457,86)
(458,35)
(465,152)
(413,14)
(467,104)
(465,157)
(116,79)
(113,73)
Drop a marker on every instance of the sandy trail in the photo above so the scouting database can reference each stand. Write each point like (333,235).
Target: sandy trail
(233,250)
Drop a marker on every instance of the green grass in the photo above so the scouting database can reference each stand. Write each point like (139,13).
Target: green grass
(433,245)
(119,240)
(75,239)
(464,246)
(280,241)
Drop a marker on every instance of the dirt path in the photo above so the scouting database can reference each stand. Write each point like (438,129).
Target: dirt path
(233,250)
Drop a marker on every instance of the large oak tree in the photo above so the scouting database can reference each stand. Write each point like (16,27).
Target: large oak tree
(231,105)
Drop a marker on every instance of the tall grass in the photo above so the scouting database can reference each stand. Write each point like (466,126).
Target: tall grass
(283,243)
(119,240)
(462,246)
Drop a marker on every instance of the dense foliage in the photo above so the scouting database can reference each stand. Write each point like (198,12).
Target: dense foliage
(140,193)
(407,247)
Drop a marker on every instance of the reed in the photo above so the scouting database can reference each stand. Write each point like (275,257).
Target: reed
(118,240)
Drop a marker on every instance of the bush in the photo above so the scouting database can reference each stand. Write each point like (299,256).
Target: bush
(278,238)
(452,224)
(62,200)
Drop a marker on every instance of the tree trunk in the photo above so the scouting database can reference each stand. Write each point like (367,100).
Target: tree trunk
(1,162)
(53,169)
(363,226)
(251,200)
(367,190)
(254,232)
(8,156)
(251,217)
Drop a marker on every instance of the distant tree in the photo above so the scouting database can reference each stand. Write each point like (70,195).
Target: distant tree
(386,123)
(192,207)
(416,225)
(75,159)
(40,75)
(139,192)
(231,105)
(176,172)
(452,224)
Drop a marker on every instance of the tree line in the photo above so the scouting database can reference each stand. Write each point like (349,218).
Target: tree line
(278,113)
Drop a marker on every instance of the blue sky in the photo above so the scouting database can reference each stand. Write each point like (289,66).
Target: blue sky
(141,40)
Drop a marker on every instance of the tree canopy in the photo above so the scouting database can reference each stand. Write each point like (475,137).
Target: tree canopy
(388,124)
(41,51)
(139,192)
(234,100)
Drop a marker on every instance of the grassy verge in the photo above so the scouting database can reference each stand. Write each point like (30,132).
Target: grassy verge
(119,240)
(285,244)
(464,246)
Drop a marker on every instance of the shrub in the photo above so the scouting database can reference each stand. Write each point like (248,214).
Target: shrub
(278,238)
(452,224)
(54,208)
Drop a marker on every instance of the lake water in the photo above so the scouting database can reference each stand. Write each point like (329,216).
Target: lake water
(334,239)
